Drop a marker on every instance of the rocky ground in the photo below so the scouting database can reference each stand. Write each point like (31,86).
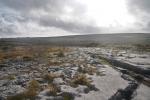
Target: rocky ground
(66,74)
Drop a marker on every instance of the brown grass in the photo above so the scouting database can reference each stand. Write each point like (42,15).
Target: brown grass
(54,63)
(32,90)
(29,53)
(11,77)
(18,52)
(50,77)
(58,49)
(53,89)
(88,70)
(80,79)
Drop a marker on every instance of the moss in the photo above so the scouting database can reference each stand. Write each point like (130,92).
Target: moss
(11,77)
(67,96)
(104,61)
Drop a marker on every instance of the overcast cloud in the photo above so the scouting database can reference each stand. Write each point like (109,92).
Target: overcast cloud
(68,17)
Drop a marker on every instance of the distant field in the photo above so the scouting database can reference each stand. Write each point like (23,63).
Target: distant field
(129,38)
(139,40)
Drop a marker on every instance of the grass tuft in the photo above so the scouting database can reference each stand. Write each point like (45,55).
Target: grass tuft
(50,77)
(29,94)
(53,90)
(80,79)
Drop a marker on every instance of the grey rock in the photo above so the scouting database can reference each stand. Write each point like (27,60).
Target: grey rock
(58,81)
(82,89)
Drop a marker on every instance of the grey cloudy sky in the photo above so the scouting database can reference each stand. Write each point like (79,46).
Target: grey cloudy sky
(19,18)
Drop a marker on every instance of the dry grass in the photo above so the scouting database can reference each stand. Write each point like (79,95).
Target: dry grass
(29,53)
(28,58)
(80,79)
(60,54)
(89,70)
(50,77)
(58,49)
(54,63)
(20,96)
(2,56)
(17,52)
(11,77)
(33,84)
(32,89)
(52,89)
(29,94)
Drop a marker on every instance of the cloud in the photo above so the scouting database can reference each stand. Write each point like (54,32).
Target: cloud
(48,17)
(25,5)
(68,25)
(63,14)
(141,10)
(143,5)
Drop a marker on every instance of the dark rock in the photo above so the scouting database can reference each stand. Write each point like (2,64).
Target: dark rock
(1,98)
(4,65)
(68,96)
(92,87)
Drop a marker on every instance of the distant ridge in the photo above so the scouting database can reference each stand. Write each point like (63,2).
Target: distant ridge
(81,40)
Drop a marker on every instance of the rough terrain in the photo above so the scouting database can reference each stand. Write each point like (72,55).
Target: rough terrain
(58,73)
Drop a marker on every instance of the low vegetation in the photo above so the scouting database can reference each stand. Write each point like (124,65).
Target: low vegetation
(31,53)
(11,77)
(89,70)
(53,90)
(60,54)
(30,93)
(54,63)
(80,79)
(67,96)
(104,61)
(50,77)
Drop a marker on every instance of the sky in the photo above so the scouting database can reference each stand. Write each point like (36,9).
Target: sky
(46,18)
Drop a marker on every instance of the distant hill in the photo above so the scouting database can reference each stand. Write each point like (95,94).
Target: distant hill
(82,40)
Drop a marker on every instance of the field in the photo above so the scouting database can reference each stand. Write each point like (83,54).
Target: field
(90,67)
